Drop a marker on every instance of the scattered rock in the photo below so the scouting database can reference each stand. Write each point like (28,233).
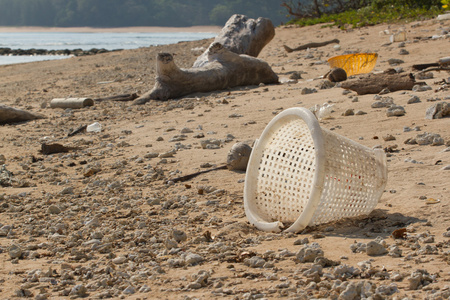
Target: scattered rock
(336,75)
(238,156)
(414,99)
(395,111)
(306,91)
(348,112)
(389,137)
(421,88)
(210,144)
(376,248)
(15,251)
(54,210)
(309,253)
(438,111)
(255,262)
(79,290)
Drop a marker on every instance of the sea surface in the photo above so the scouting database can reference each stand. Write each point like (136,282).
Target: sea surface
(87,41)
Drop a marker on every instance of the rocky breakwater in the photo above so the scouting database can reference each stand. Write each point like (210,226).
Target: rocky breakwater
(33,51)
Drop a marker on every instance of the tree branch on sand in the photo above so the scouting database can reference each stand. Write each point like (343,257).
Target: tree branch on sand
(310,45)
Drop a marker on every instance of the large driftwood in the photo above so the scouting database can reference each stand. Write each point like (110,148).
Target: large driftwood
(310,45)
(10,115)
(242,35)
(375,83)
(224,69)
(228,62)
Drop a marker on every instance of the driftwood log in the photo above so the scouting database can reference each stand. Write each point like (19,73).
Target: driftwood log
(242,35)
(228,62)
(10,115)
(310,45)
(375,83)
(224,69)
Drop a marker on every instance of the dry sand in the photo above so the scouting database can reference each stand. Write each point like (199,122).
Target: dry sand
(99,221)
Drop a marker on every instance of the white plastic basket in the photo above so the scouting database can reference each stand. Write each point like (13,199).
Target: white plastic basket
(301,174)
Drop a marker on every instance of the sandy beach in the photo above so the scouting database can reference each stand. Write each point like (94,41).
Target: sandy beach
(101,221)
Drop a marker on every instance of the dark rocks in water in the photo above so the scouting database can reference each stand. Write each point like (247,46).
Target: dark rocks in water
(75,52)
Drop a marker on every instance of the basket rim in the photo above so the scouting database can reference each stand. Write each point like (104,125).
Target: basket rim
(253,169)
(351,54)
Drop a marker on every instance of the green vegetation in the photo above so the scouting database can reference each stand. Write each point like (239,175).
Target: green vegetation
(180,13)
(120,13)
(375,12)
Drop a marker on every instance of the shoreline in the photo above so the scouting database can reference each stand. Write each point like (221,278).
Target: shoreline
(214,29)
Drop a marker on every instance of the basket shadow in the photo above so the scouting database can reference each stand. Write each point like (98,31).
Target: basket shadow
(379,222)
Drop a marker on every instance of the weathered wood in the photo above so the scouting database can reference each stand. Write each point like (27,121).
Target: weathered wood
(47,149)
(242,35)
(424,66)
(375,83)
(124,97)
(78,130)
(10,115)
(310,45)
(71,102)
(193,175)
(225,69)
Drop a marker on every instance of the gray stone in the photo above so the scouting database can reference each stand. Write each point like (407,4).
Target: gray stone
(179,235)
(238,156)
(119,260)
(348,112)
(193,259)
(15,251)
(79,290)
(438,111)
(395,111)
(395,61)
(129,290)
(67,191)
(421,88)
(214,142)
(375,248)
(309,253)
(429,139)
(306,91)
(54,210)
(414,99)
(255,262)
(415,280)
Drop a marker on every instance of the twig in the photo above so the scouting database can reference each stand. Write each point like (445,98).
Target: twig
(440,68)
(310,45)
(420,67)
(78,130)
(124,97)
(190,176)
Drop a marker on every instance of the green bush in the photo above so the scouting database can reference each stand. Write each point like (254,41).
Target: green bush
(380,11)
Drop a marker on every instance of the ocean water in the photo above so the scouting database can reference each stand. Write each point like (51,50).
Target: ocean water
(87,41)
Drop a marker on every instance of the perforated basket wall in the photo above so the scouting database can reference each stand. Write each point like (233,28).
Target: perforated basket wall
(353,64)
(300,174)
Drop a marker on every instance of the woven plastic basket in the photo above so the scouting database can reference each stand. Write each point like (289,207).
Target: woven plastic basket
(353,64)
(300,174)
